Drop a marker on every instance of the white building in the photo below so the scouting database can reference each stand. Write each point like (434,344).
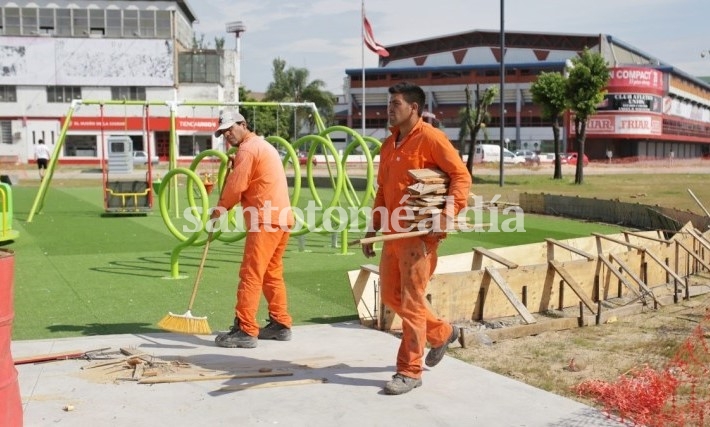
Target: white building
(56,51)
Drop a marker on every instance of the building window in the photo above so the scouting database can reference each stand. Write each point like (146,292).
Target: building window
(130,23)
(128,93)
(29,21)
(5,131)
(63,22)
(8,94)
(97,22)
(163,24)
(80,146)
(147,23)
(63,93)
(199,67)
(46,21)
(12,21)
(80,22)
(113,23)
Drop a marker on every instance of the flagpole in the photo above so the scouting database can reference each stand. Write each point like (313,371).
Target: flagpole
(362,61)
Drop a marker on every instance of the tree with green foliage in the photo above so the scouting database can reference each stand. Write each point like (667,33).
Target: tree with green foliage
(549,91)
(292,85)
(588,76)
(473,119)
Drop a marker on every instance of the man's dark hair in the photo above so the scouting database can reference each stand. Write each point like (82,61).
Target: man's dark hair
(411,93)
(41,141)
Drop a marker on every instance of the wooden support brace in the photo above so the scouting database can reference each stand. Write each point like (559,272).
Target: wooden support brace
(480,252)
(694,255)
(665,267)
(699,237)
(636,279)
(641,236)
(560,269)
(498,279)
(361,281)
(553,242)
(619,276)
(620,242)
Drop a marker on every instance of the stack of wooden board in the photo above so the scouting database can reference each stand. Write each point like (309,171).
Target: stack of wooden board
(427,197)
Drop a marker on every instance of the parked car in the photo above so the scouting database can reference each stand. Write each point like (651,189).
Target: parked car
(549,158)
(141,158)
(490,153)
(572,159)
(303,159)
(531,157)
(511,158)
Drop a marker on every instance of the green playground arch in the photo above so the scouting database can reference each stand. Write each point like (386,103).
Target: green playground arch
(167,190)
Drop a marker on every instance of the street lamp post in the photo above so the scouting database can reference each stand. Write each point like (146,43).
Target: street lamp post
(237,27)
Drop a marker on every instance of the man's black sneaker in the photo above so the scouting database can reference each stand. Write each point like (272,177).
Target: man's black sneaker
(437,353)
(401,384)
(274,331)
(235,338)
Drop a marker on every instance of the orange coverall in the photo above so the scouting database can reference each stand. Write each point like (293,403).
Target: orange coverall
(258,182)
(406,265)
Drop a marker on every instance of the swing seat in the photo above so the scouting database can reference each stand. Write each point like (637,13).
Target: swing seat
(128,197)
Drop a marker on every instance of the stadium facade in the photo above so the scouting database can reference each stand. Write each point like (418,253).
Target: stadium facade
(651,109)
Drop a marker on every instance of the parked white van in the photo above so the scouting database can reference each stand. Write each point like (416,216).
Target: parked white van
(490,153)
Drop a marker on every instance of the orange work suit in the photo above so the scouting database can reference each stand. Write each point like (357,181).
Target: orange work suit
(406,265)
(258,182)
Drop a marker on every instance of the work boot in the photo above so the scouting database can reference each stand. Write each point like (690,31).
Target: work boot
(437,353)
(275,331)
(401,384)
(235,338)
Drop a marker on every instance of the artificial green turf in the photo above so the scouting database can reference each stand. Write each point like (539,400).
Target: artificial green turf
(79,273)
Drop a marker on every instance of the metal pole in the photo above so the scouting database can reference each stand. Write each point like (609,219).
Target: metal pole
(502,88)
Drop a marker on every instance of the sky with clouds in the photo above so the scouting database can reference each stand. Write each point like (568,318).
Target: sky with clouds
(324,36)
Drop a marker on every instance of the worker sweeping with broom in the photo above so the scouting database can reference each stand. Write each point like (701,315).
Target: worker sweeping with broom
(258,182)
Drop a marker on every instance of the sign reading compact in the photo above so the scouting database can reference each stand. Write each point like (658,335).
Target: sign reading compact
(636,79)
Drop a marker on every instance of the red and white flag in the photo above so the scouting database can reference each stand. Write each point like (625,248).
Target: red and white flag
(370,41)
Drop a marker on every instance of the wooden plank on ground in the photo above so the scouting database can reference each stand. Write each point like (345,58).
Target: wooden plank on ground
(189,378)
(272,384)
(560,269)
(519,331)
(64,355)
(519,307)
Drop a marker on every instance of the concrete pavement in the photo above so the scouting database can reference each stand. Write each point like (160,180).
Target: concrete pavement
(335,374)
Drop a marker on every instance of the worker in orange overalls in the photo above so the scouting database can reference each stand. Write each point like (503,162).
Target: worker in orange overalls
(407,264)
(258,182)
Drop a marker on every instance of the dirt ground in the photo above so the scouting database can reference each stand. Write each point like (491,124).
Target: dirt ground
(557,361)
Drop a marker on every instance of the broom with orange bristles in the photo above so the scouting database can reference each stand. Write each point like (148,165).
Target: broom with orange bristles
(187,323)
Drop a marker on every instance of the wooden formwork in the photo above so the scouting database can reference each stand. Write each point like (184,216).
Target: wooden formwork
(582,281)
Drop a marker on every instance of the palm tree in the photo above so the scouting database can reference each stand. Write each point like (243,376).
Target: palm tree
(292,85)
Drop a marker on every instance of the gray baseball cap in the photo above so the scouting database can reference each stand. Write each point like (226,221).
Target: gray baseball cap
(227,120)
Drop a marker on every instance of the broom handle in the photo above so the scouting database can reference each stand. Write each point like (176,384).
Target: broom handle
(199,273)
(204,251)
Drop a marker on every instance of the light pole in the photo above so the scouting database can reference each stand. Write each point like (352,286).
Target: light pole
(236,27)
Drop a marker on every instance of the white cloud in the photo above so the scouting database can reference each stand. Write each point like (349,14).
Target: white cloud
(324,36)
